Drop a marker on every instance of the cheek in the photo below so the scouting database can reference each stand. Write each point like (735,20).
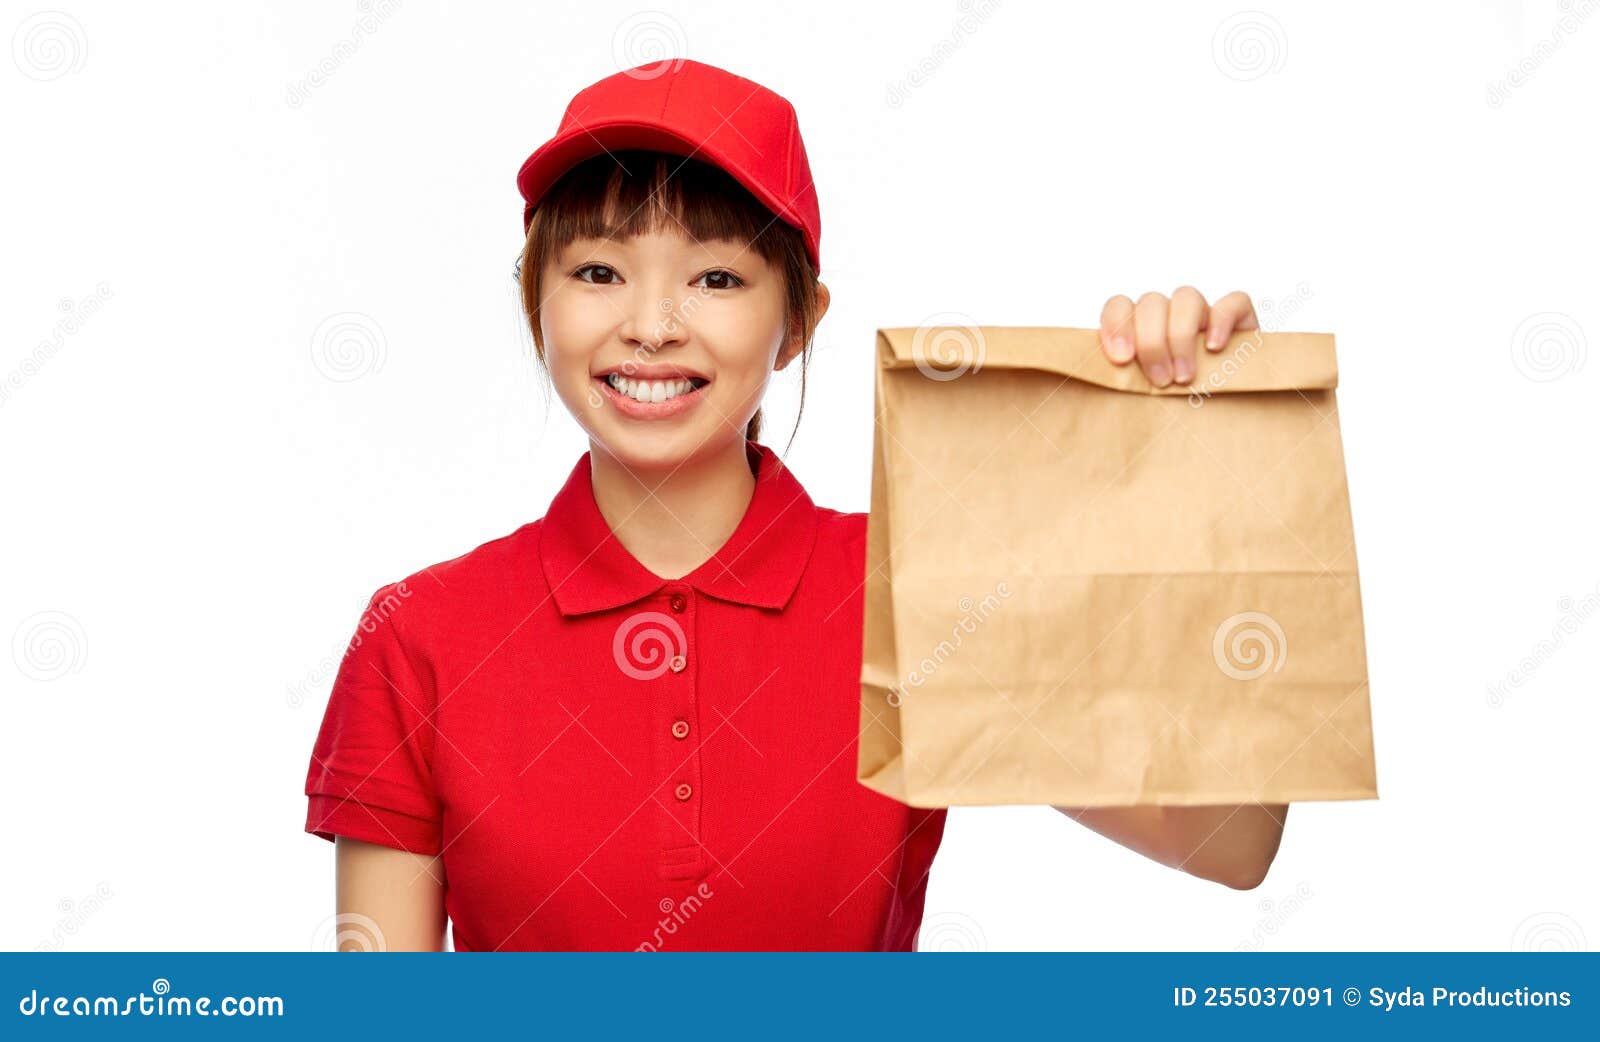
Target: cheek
(744,341)
(572,332)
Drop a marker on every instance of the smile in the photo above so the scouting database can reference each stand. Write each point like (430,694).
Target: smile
(651,399)
(652,390)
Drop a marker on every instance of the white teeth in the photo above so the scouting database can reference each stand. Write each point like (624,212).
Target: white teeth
(649,390)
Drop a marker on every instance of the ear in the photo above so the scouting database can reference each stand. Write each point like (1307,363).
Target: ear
(793,344)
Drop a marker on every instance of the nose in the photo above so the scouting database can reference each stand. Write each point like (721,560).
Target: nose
(653,321)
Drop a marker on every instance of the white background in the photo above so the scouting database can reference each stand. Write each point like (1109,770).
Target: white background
(198,511)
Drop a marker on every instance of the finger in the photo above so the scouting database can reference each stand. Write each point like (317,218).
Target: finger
(1116,329)
(1184,320)
(1232,313)
(1150,338)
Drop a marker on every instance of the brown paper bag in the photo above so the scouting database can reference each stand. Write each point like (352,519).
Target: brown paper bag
(1083,590)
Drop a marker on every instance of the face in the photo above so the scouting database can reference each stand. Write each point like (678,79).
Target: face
(661,347)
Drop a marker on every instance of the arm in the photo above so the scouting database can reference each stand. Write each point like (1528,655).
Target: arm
(403,893)
(1231,845)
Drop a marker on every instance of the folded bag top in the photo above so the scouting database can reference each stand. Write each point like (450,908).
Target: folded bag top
(1250,361)
(1086,590)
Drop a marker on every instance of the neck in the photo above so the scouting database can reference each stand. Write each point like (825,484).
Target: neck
(673,520)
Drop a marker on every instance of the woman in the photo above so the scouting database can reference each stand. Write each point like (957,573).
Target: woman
(632,723)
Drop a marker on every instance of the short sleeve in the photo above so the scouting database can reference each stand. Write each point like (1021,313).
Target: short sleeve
(369,777)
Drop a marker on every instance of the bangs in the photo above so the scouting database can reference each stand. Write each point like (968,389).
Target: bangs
(630,193)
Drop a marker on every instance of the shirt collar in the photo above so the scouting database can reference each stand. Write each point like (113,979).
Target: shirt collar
(761,563)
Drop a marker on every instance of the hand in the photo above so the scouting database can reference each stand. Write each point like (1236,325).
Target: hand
(1162,332)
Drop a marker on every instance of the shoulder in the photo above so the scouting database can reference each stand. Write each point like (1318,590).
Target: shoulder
(839,526)
(470,585)
(842,538)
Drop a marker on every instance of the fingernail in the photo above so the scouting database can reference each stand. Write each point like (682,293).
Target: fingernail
(1214,338)
(1183,369)
(1121,348)
(1159,375)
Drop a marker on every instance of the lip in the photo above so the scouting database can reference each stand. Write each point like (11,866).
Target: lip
(653,371)
(650,410)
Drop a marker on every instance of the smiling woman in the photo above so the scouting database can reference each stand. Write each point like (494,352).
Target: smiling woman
(649,697)
(657,243)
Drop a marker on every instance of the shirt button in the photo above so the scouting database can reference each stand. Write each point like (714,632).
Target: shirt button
(683,791)
(678,663)
(680,729)
(679,602)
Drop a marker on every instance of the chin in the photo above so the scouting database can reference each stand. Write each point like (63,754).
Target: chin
(650,446)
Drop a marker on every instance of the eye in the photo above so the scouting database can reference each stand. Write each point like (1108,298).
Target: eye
(718,278)
(603,275)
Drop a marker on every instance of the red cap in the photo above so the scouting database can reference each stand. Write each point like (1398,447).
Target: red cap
(689,109)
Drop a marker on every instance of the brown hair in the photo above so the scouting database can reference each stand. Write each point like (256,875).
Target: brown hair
(627,193)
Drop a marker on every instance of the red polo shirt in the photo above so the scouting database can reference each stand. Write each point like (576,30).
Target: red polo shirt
(611,760)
